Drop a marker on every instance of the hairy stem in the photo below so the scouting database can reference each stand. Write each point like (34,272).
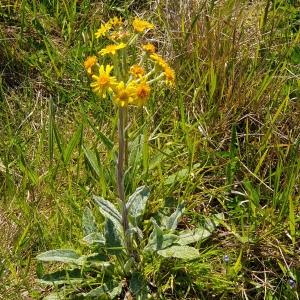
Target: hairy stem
(126,138)
(120,174)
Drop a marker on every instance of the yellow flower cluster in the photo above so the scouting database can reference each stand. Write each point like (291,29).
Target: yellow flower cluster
(127,82)
(132,92)
(112,49)
(140,25)
(105,28)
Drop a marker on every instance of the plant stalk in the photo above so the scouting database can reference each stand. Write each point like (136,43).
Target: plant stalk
(120,174)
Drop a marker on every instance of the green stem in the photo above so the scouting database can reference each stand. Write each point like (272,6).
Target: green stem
(120,175)
(126,138)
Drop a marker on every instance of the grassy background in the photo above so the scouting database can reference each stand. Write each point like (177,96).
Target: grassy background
(226,139)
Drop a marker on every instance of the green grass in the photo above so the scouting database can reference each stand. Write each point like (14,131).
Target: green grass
(226,139)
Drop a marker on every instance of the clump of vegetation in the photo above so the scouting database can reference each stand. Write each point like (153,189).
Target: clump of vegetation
(223,140)
(118,260)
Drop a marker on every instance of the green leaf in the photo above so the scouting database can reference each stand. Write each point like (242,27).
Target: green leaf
(92,160)
(94,238)
(172,221)
(97,292)
(158,240)
(108,143)
(129,264)
(232,166)
(112,237)
(50,129)
(178,176)
(138,284)
(137,201)
(213,222)
(183,252)
(109,211)
(295,55)
(97,260)
(192,236)
(292,221)
(59,255)
(116,291)
(55,296)
(88,222)
(136,230)
(72,144)
(62,277)
(105,291)
(238,264)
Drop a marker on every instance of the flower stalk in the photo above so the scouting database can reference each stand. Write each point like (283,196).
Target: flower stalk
(120,175)
(133,68)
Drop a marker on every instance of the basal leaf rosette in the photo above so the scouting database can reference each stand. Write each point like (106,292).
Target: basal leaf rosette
(128,66)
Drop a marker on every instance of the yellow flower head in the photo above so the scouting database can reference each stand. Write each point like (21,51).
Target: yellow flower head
(102,31)
(137,71)
(89,63)
(118,35)
(170,75)
(104,82)
(112,49)
(150,48)
(123,94)
(158,59)
(140,25)
(141,93)
(115,21)
(106,27)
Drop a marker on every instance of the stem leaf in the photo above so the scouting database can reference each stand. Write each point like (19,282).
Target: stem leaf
(172,221)
(137,201)
(109,211)
(183,252)
(59,255)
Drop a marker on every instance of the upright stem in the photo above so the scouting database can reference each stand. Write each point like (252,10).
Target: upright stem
(120,175)
(126,138)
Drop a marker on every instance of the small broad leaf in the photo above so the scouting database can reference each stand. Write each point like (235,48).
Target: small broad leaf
(56,296)
(129,264)
(213,222)
(94,259)
(137,201)
(112,237)
(62,277)
(137,230)
(94,238)
(138,284)
(116,291)
(180,175)
(109,211)
(106,291)
(88,222)
(172,221)
(183,252)
(97,260)
(155,238)
(192,236)
(97,292)
(177,177)
(59,255)
(158,240)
